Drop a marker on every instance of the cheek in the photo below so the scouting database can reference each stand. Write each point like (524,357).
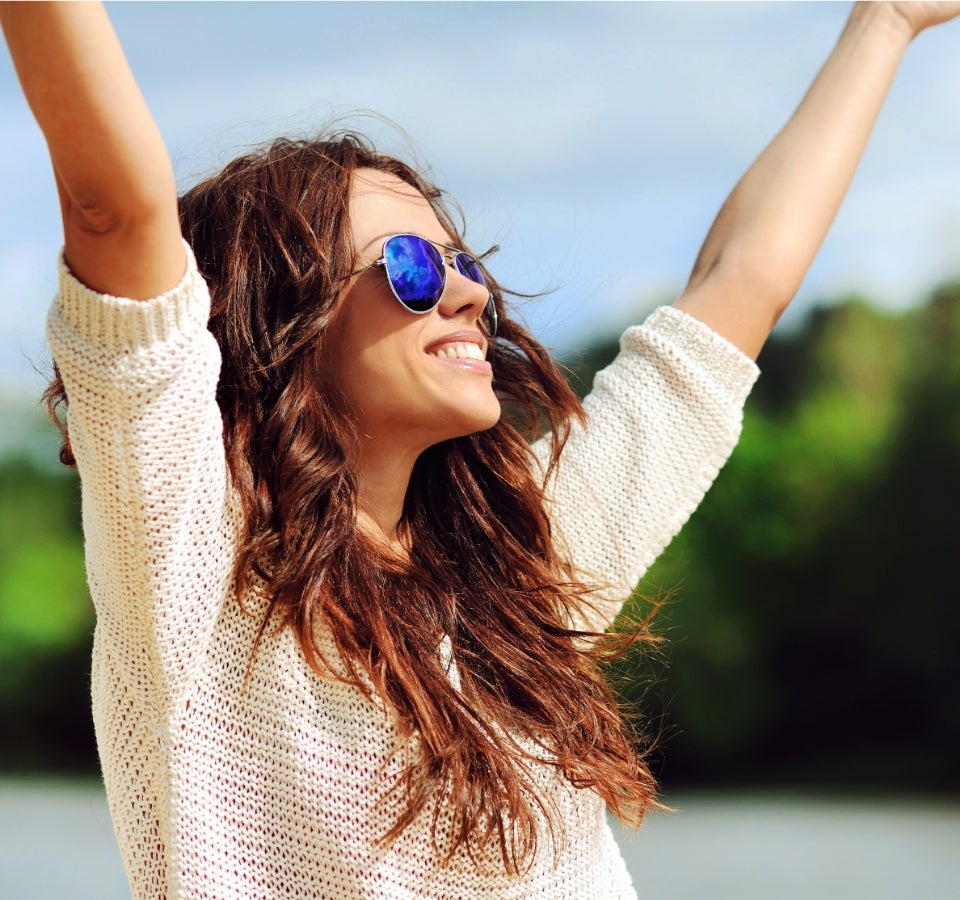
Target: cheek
(367,344)
(379,377)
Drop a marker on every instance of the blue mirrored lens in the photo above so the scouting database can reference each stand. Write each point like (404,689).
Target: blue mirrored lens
(415,270)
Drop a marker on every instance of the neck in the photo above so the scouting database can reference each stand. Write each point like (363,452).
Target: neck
(383,482)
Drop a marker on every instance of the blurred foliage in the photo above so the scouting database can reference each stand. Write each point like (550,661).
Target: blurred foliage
(46,619)
(814,620)
(813,613)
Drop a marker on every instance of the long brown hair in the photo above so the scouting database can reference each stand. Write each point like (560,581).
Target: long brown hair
(271,234)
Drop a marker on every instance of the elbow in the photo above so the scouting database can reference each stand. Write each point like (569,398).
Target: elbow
(740,295)
(115,208)
(765,282)
(96,219)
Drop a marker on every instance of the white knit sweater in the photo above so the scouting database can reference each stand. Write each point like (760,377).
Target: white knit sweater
(225,788)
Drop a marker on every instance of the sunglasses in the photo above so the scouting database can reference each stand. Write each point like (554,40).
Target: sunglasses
(417,274)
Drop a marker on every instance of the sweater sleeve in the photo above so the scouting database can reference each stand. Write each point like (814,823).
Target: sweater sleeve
(661,421)
(146,432)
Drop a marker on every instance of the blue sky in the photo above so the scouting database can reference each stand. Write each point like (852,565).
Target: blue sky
(593,141)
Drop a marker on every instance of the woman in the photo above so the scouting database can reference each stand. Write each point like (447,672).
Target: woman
(348,618)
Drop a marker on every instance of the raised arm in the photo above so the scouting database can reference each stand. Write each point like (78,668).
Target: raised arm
(770,228)
(113,173)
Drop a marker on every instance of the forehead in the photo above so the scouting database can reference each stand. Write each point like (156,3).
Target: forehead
(382,204)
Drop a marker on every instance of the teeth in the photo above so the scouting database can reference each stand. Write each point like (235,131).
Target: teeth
(459,350)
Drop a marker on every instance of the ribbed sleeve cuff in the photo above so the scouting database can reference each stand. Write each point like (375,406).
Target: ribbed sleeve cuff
(119,324)
(732,369)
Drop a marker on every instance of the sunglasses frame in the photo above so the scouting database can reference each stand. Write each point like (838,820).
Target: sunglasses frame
(489,317)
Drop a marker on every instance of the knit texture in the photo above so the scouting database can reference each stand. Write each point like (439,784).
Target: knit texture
(228,783)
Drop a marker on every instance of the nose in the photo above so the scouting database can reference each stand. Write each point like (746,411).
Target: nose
(462,297)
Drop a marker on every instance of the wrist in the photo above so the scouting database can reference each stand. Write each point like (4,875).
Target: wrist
(883,18)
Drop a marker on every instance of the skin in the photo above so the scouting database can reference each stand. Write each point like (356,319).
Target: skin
(118,194)
(405,397)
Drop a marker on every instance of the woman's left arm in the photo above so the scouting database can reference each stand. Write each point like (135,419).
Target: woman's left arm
(771,226)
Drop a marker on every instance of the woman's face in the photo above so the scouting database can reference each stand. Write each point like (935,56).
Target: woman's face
(387,360)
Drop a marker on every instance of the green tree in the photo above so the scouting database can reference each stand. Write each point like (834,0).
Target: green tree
(46,620)
(816,607)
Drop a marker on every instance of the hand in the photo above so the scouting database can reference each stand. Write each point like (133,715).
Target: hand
(918,16)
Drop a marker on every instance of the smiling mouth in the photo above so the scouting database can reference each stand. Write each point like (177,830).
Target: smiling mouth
(458,350)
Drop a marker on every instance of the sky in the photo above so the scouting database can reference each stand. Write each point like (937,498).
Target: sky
(594,142)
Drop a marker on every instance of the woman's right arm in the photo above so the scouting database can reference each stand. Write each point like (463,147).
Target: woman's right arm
(114,176)
(159,528)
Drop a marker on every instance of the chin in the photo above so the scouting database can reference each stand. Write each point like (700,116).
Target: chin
(462,423)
